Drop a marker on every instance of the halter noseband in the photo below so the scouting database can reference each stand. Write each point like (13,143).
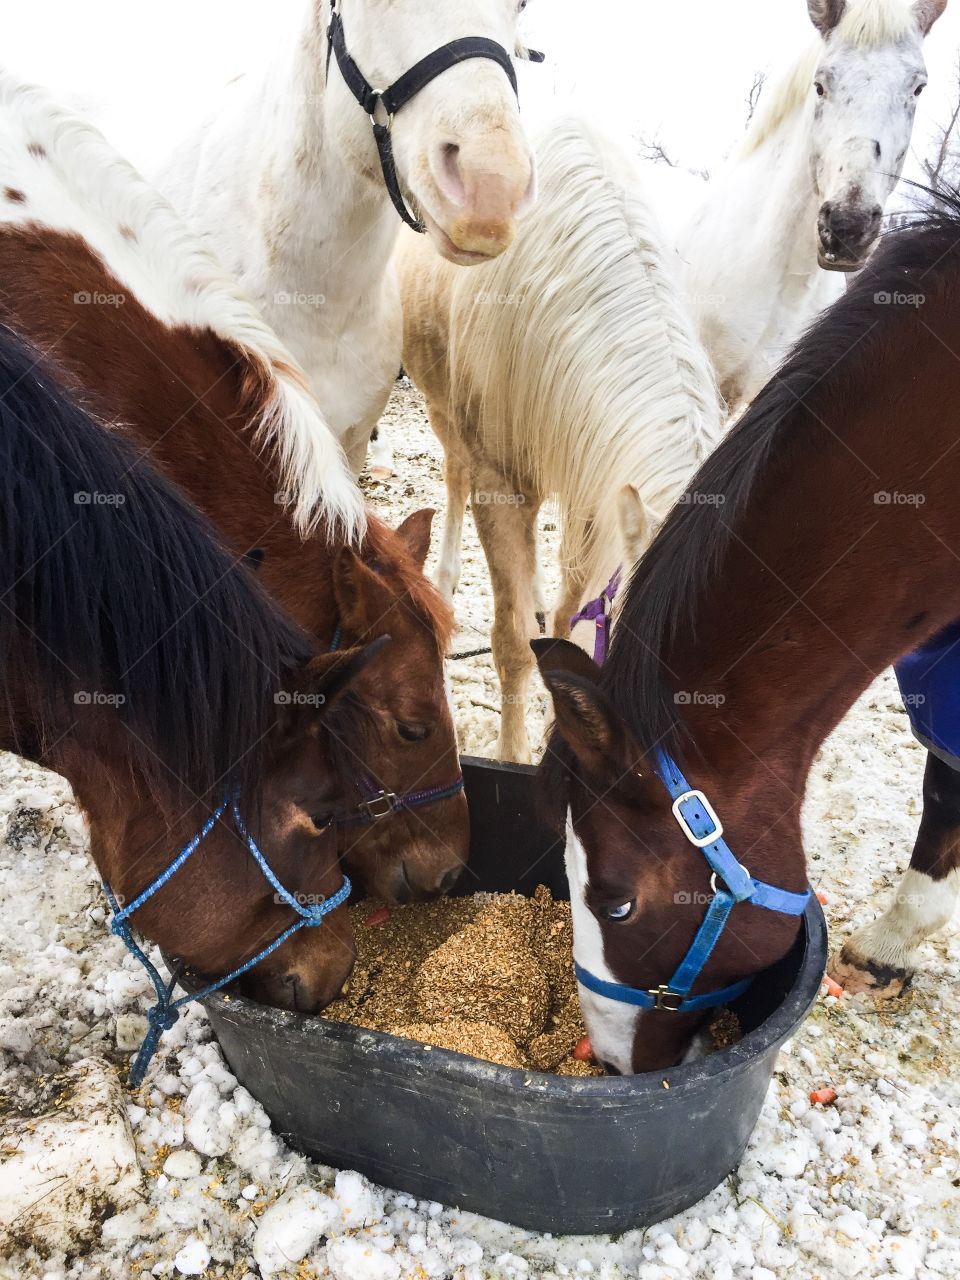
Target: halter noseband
(166,1012)
(701,826)
(385,103)
(600,611)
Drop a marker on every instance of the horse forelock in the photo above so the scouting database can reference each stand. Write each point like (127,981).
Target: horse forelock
(61,175)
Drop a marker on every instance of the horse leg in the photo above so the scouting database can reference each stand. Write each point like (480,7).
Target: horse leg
(572,586)
(507,526)
(457,475)
(380,454)
(881,958)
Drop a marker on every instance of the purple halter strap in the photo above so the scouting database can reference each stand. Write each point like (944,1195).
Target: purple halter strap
(599,611)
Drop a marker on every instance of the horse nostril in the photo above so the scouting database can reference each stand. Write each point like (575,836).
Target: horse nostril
(448,883)
(876,213)
(446,169)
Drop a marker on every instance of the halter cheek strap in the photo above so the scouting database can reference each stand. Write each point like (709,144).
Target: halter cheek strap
(381,105)
(600,612)
(699,823)
(166,1012)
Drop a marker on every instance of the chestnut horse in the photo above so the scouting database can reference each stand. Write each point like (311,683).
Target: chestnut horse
(748,630)
(96,267)
(147,666)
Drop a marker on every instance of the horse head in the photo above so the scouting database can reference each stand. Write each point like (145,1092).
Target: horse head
(869,75)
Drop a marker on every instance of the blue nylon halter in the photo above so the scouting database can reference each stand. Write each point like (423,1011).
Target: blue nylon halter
(700,824)
(166,1012)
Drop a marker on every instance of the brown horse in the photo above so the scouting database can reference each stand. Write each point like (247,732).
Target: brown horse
(826,551)
(147,666)
(96,267)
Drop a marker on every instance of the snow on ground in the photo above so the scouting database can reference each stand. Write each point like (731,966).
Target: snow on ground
(866,1188)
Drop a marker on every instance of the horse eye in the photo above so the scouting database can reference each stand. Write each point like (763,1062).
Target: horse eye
(322,820)
(522,4)
(821,91)
(412,732)
(621,913)
(919,89)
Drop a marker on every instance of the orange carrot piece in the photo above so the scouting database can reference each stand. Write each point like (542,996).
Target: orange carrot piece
(823,1097)
(378,917)
(583,1051)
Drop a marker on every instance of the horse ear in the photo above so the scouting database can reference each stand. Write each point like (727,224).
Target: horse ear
(414,533)
(328,676)
(591,728)
(362,597)
(928,11)
(825,14)
(564,655)
(637,523)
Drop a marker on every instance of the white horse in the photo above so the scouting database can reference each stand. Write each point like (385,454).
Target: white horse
(802,198)
(287,184)
(566,368)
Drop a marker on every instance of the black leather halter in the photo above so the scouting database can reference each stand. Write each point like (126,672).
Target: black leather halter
(381,105)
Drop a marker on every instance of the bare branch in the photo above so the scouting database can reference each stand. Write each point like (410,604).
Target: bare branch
(753,97)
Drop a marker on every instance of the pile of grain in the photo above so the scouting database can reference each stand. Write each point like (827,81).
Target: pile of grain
(490,976)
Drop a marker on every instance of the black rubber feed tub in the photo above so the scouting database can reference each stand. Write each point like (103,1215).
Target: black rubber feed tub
(548,1153)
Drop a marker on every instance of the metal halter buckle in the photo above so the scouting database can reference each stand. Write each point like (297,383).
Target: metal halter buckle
(661,995)
(387,801)
(713,878)
(700,842)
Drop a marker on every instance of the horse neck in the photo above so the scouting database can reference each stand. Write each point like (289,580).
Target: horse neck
(775,204)
(821,587)
(335,226)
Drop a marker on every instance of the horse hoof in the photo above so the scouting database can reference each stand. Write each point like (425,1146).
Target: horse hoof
(380,473)
(859,976)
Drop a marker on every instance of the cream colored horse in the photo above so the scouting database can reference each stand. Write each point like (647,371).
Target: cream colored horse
(568,368)
(286,185)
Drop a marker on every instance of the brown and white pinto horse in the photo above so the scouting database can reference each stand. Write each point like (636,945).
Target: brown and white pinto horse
(96,268)
(827,551)
(145,664)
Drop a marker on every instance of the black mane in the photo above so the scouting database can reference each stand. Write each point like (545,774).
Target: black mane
(668,585)
(113,586)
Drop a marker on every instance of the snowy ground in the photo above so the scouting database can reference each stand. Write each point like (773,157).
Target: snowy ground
(866,1188)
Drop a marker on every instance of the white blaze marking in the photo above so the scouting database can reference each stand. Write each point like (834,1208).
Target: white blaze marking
(610,1024)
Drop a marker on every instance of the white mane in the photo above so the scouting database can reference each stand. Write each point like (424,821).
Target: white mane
(866,24)
(590,369)
(73,181)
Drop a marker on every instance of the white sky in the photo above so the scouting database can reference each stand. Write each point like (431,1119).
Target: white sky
(680,68)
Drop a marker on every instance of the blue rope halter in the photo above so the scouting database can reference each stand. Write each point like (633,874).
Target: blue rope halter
(700,824)
(166,1012)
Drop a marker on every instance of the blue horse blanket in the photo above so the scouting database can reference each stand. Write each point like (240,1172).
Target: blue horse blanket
(929,680)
